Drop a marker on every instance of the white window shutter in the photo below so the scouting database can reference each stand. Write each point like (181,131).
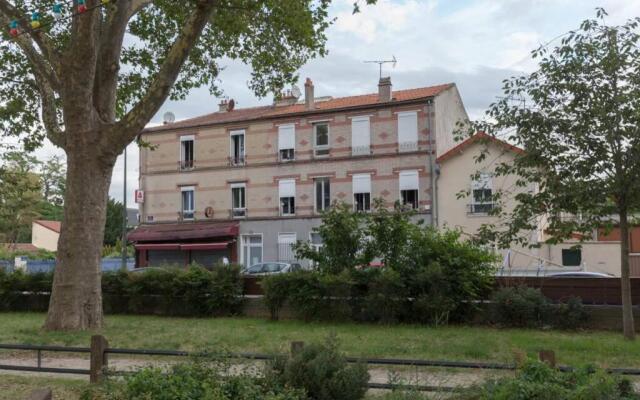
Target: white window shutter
(409,180)
(408,127)
(360,134)
(362,183)
(287,188)
(286,137)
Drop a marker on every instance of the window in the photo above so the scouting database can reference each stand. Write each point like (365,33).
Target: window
(285,246)
(482,196)
(251,250)
(236,156)
(409,186)
(287,194)
(188,202)
(322,193)
(571,257)
(286,142)
(238,204)
(408,131)
(186,152)
(362,192)
(321,139)
(360,136)
(316,243)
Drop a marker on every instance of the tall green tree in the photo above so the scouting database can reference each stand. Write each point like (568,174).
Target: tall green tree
(20,196)
(113,226)
(578,119)
(92,80)
(53,176)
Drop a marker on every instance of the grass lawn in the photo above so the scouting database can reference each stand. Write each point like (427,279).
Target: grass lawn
(606,349)
(18,387)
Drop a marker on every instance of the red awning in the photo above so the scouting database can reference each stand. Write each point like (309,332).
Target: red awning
(158,246)
(205,246)
(184,231)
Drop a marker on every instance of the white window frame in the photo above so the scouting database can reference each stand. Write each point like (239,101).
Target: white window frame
(484,182)
(410,142)
(191,189)
(244,243)
(281,182)
(410,187)
(315,192)
(241,159)
(239,212)
(360,149)
(280,243)
(283,132)
(183,161)
(354,178)
(321,148)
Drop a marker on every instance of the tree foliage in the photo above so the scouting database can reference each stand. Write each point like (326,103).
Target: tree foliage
(578,119)
(115,219)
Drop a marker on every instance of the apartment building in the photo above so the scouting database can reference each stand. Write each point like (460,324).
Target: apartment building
(245,183)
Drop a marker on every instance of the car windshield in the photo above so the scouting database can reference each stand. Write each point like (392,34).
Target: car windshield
(273,267)
(255,269)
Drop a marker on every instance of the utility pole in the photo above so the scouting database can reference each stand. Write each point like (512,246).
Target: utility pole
(123,241)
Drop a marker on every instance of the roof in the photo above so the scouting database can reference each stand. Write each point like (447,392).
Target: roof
(51,225)
(183,231)
(478,137)
(19,246)
(271,111)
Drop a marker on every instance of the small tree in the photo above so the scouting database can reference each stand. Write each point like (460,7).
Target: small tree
(53,176)
(113,225)
(391,231)
(577,118)
(345,241)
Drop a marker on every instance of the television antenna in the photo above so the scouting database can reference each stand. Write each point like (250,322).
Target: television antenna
(393,63)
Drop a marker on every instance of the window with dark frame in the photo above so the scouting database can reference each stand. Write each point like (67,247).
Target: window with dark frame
(321,139)
(571,257)
(410,198)
(288,205)
(322,193)
(362,201)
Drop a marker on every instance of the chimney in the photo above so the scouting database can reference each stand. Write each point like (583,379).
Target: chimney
(222,107)
(309,99)
(384,90)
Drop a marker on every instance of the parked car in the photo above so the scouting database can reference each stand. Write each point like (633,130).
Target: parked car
(268,268)
(580,274)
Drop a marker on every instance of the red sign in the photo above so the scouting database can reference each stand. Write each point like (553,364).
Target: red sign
(139,196)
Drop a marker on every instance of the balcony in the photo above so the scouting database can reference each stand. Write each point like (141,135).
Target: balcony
(361,151)
(479,208)
(237,161)
(186,165)
(238,213)
(405,147)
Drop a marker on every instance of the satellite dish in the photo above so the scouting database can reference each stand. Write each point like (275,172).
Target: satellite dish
(295,91)
(169,117)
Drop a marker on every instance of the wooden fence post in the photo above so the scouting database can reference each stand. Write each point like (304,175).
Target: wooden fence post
(548,357)
(41,394)
(98,362)
(296,347)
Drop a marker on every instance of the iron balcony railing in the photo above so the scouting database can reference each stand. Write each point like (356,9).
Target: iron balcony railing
(237,161)
(407,146)
(238,213)
(479,208)
(361,150)
(186,165)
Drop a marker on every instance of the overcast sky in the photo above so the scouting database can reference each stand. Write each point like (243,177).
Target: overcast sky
(474,43)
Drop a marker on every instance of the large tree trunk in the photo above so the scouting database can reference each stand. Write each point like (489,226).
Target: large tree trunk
(76,298)
(625,283)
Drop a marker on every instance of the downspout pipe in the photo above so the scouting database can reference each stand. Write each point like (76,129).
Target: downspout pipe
(434,170)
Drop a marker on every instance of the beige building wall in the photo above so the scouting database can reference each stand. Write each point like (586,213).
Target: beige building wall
(449,111)
(596,256)
(44,238)
(212,176)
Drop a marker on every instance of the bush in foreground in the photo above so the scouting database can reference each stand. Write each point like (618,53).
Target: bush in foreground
(537,380)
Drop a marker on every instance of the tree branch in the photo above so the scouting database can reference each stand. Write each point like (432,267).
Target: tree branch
(135,120)
(44,43)
(49,114)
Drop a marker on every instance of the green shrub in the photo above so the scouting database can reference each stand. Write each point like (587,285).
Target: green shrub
(225,294)
(386,298)
(277,290)
(519,306)
(570,314)
(537,380)
(318,296)
(202,379)
(322,372)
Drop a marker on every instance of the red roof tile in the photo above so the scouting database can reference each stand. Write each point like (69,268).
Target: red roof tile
(183,231)
(51,225)
(477,137)
(264,112)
